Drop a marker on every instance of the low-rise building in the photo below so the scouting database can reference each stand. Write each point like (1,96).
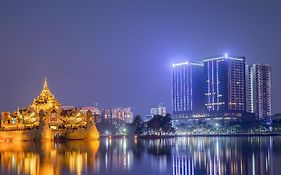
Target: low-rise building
(159,110)
(118,114)
(94,110)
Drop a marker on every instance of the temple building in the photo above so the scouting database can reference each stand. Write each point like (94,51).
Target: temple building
(48,120)
(46,100)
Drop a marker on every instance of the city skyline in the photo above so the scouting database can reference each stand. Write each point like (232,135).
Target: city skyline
(221,86)
(117,55)
(140,87)
(169,105)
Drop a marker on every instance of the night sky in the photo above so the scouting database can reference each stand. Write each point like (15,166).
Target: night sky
(119,53)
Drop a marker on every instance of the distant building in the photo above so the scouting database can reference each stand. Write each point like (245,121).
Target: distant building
(68,107)
(259,90)
(106,114)
(118,114)
(159,110)
(187,89)
(225,85)
(95,111)
(124,114)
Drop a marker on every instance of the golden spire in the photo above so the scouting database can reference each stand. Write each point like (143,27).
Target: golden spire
(46,100)
(45,86)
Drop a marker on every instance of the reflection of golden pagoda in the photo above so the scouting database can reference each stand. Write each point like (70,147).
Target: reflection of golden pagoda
(30,158)
(46,100)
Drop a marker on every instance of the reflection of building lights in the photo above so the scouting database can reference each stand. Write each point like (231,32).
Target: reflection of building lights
(76,161)
(26,158)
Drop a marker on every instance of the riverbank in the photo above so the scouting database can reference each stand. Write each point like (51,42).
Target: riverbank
(196,135)
(230,135)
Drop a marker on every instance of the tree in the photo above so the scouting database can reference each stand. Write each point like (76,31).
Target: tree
(138,124)
(161,124)
(167,124)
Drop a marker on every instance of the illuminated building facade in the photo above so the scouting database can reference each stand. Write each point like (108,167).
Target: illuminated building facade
(259,87)
(46,100)
(159,110)
(225,88)
(118,114)
(187,89)
(45,119)
(94,110)
(106,114)
(124,114)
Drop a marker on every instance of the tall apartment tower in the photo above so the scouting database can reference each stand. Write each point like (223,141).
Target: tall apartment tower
(187,89)
(259,87)
(225,85)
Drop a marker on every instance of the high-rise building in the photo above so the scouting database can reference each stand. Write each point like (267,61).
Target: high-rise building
(259,96)
(188,89)
(225,87)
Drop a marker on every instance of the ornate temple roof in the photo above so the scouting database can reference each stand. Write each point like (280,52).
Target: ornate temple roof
(46,100)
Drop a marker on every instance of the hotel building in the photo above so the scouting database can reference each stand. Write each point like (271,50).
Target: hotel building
(225,86)
(259,86)
(187,89)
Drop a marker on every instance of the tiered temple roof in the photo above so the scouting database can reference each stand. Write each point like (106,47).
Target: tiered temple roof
(46,100)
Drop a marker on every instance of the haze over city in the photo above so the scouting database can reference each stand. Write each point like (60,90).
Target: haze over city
(120,53)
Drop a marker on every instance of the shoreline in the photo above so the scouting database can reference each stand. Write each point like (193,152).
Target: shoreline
(231,135)
(194,135)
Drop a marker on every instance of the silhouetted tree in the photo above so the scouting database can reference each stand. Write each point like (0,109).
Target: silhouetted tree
(161,124)
(138,124)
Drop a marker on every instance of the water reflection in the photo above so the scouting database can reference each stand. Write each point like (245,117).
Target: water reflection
(227,156)
(178,156)
(50,158)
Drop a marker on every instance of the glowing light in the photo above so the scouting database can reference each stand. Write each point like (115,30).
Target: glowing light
(220,58)
(180,64)
(225,55)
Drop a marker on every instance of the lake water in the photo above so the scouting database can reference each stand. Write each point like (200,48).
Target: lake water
(176,156)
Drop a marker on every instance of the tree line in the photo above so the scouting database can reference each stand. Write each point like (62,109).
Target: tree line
(157,125)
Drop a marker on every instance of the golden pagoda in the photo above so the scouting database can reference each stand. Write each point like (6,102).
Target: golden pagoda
(46,100)
(45,120)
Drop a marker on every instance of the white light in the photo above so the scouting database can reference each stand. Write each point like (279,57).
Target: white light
(225,55)
(180,64)
(219,58)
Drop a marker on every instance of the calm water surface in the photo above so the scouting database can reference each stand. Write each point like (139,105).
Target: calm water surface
(177,156)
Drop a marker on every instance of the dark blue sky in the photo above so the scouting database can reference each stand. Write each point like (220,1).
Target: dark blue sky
(119,53)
